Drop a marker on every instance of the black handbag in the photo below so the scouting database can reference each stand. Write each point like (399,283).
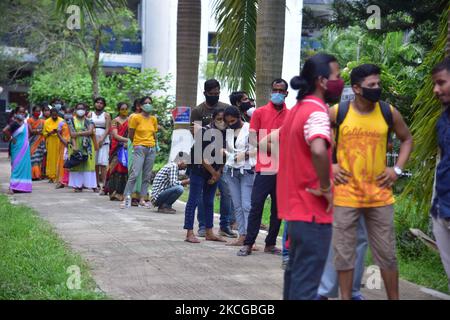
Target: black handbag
(75,159)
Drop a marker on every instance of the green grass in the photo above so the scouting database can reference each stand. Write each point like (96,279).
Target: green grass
(34,260)
(426,270)
(417,262)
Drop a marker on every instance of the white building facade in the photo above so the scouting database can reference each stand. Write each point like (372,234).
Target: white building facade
(158,20)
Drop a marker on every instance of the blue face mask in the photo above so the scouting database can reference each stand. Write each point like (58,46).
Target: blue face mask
(277,98)
(147,108)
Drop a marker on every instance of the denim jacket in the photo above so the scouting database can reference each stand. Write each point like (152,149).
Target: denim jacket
(441,203)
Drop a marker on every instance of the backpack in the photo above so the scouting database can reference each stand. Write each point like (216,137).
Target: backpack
(342,113)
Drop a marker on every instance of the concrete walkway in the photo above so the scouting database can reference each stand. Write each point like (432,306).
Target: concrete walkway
(140,254)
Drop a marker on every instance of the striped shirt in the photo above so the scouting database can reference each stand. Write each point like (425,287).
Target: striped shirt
(317,125)
(166,178)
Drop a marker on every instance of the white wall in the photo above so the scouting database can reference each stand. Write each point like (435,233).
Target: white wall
(292,45)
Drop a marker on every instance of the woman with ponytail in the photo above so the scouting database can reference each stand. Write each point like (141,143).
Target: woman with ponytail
(304,187)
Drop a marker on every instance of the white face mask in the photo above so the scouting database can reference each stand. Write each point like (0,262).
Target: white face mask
(250,111)
(81,113)
(220,125)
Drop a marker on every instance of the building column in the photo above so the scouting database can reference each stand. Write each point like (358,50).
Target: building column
(292,45)
(159,36)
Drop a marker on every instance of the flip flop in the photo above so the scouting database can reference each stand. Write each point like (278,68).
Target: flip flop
(273,250)
(145,205)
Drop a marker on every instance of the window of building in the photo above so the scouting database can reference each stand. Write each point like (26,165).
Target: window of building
(213,45)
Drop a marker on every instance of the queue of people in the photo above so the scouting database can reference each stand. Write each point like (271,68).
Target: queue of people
(322,162)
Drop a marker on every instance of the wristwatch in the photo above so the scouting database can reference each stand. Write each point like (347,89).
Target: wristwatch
(398,171)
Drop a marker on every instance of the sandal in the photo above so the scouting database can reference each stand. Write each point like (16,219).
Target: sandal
(145,205)
(134,202)
(272,250)
(78,190)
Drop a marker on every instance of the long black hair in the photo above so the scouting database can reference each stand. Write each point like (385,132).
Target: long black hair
(316,66)
(136,103)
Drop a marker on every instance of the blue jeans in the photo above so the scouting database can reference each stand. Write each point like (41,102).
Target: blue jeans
(309,246)
(329,284)
(240,186)
(285,252)
(200,192)
(168,197)
(226,207)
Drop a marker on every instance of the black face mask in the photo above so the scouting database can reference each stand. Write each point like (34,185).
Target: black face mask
(331,99)
(212,100)
(236,125)
(373,95)
(245,106)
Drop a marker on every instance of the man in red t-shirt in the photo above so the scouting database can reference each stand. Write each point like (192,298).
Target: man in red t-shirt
(264,120)
(304,188)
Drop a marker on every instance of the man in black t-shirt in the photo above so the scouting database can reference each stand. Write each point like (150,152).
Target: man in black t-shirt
(203,114)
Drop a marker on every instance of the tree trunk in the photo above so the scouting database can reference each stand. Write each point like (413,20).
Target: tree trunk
(269,46)
(188,51)
(95,67)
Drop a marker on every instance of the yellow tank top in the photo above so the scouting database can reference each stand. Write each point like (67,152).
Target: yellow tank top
(361,150)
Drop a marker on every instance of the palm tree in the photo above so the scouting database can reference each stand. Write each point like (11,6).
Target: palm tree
(269,46)
(188,51)
(419,190)
(248,31)
(236,34)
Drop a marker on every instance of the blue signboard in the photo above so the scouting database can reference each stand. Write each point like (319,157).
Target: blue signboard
(182,115)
